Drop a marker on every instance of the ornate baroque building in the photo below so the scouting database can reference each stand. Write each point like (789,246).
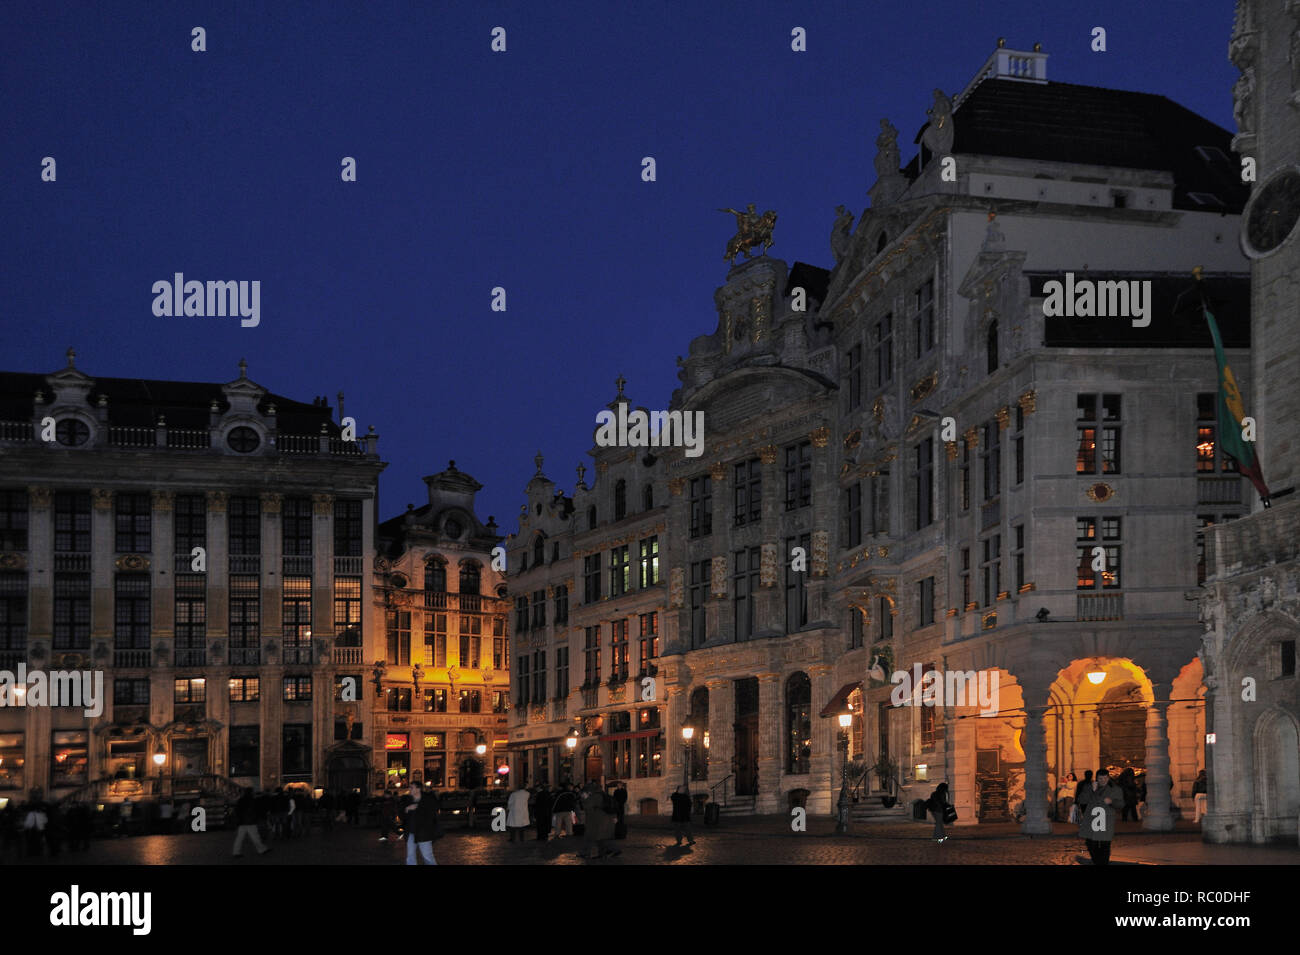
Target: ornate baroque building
(1252,606)
(441,675)
(202,546)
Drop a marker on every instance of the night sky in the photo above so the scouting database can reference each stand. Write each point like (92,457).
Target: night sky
(475,169)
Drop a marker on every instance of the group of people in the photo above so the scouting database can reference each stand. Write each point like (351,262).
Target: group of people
(286,814)
(598,815)
(37,826)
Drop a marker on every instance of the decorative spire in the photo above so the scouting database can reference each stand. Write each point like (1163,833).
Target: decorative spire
(537,459)
(620,381)
(243,368)
(72,357)
(582,474)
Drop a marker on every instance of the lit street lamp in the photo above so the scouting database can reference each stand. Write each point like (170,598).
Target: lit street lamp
(688,731)
(158,759)
(570,745)
(842,824)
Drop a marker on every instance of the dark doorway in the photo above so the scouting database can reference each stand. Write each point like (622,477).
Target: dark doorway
(745,764)
(1122,729)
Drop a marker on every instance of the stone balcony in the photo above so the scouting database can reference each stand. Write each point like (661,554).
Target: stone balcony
(1255,542)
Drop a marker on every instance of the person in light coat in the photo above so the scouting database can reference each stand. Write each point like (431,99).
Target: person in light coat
(517,813)
(1099,804)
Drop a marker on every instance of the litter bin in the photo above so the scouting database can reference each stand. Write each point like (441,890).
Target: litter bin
(712,812)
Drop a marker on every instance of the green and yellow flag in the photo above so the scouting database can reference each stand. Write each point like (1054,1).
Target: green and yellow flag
(1231,412)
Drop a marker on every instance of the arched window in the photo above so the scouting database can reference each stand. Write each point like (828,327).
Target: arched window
(991,346)
(620,500)
(593,764)
(435,576)
(699,718)
(591,518)
(798,724)
(647,498)
(470,573)
(539,551)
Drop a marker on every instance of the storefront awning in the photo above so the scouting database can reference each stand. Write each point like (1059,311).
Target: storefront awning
(839,702)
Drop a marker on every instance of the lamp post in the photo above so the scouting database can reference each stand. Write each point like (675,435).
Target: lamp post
(570,745)
(842,824)
(158,759)
(688,732)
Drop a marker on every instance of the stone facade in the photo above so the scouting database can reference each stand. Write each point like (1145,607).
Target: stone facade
(1251,608)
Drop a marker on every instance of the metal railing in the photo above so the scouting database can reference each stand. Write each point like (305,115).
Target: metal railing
(120,436)
(725,783)
(17,431)
(349,655)
(132,658)
(187,439)
(1218,490)
(348,566)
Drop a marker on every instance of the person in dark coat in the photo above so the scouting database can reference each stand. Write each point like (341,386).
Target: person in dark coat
(328,809)
(600,812)
(543,813)
(387,816)
(420,820)
(620,804)
(1127,783)
(246,820)
(353,805)
(937,804)
(1099,804)
(681,800)
(1087,781)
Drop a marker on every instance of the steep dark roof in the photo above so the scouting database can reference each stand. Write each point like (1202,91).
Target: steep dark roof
(137,402)
(812,279)
(1065,122)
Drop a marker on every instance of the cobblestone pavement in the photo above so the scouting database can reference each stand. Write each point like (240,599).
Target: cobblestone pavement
(755,840)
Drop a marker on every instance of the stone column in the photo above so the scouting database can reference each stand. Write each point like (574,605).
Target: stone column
(1035,692)
(768,606)
(770,751)
(722,742)
(102,578)
(322,578)
(218,569)
(272,589)
(1158,817)
(164,568)
(675,745)
(40,566)
(826,757)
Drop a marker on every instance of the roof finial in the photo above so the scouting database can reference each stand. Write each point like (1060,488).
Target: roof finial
(1196,272)
(72,357)
(243,368)
(620,381)
(537,459)
(582,473)
(1002,41)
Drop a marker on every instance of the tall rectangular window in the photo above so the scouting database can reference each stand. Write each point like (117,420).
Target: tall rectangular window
(1098,549)
(591,578)
(591,656)
(295,754)
(471,637)
(561,604)
(923,317)
(796,586)
(1019,444)
(347,611)
(245,689)
(189,523)
(965,578)
(701,500)
(13,519)
(882,351)
(798,475)
(561,672)
(191,618)
(854,377)
(539,609)
(925,483)
(880,502)
(991,569)
(245,619)
(748,492)
(131,612)
(886,615)
(925,601)
(853,514)
(964,479)
(72,522)
(649,640)
(435,639)
(1018,555)
(1207,460)
(399,638)
(856,635)
(539,676)
(244,526)
(745,581)
(618,647)
(620,570)
(132,522)
(71,611)
(649,561)
(991,454)
(521,614)
(347,528)
(397,699)
(523,682)
(13,613)
(295,526)
(1098,431)
(699,593)
(295,619)
(297,689)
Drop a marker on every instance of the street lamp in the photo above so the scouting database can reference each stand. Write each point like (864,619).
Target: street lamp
(570,745)
(158,759)
(842,824)
(688,732)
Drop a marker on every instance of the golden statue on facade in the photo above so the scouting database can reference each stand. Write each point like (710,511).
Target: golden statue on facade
(752,230)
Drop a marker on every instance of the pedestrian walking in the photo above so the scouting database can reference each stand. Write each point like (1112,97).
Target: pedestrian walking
(564,811)
(326,805)
(941,810)
(620,805)
(681,800)
(387,816)
(34,822)
(601,810)
(1199,797)
(420,820)
(1127,783)
(1065,797)
(517,813)
(1098,811)
(246,820)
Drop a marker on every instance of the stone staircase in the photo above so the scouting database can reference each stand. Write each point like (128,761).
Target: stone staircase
(738,806)
(872,809)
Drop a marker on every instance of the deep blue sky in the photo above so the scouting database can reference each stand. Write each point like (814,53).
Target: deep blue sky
(475,170)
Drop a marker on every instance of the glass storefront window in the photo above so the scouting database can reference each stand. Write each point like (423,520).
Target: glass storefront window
(11,761)
(70,758)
